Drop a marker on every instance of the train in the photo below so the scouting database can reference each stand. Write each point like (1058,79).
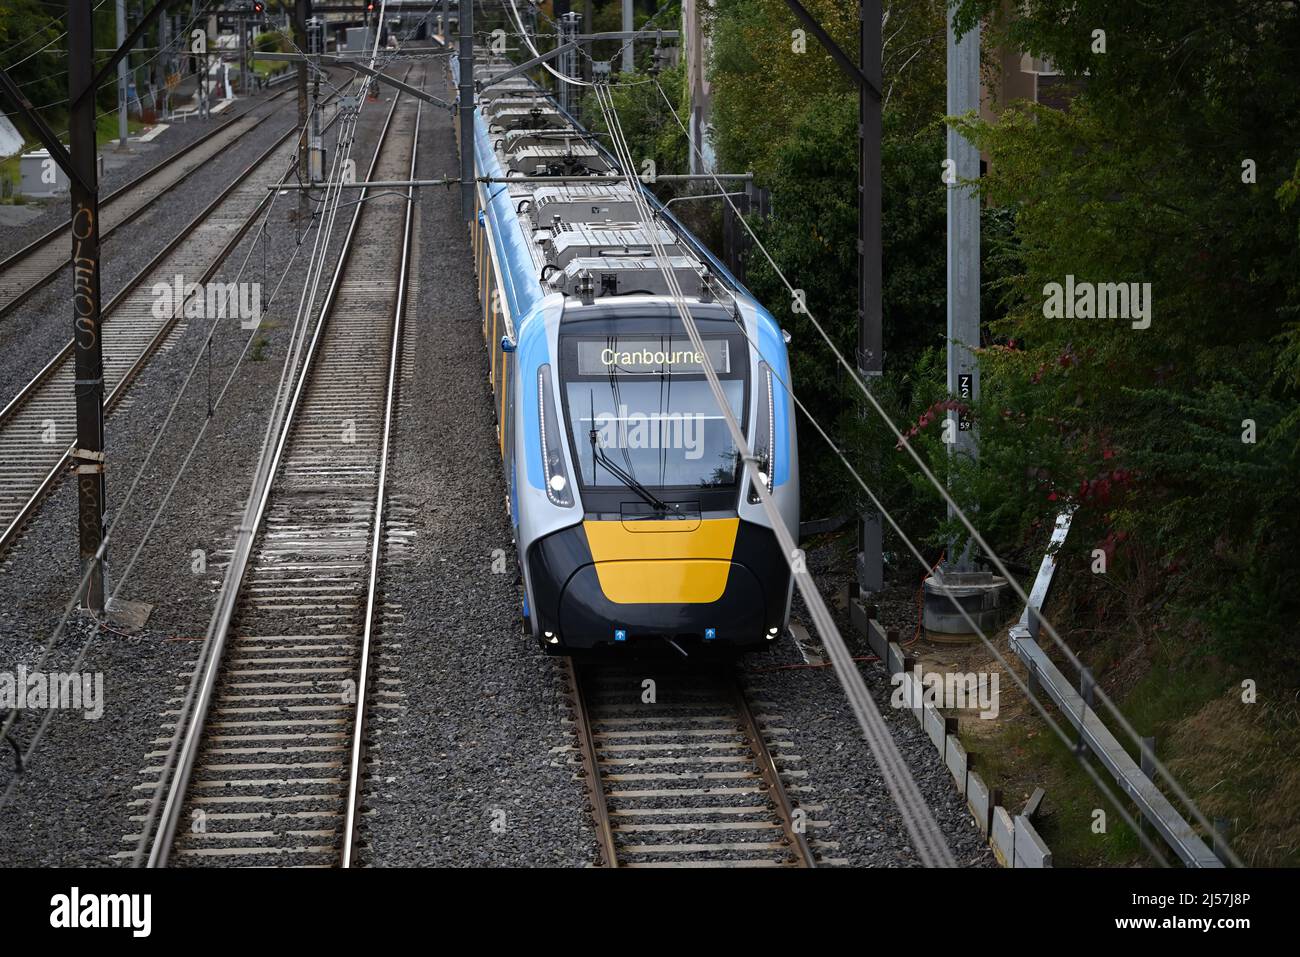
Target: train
(632,510)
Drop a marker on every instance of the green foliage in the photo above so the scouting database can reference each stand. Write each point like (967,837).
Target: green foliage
(792,118)
(273,41)
(647,122)
(39,72)
(1144,180)
(38,60)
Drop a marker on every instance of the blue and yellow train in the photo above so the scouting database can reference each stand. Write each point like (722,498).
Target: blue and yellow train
(633,513)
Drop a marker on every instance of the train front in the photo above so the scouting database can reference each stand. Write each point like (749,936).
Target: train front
(657,534)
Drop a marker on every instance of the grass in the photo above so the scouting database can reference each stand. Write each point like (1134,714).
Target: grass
(257,352)
(105,133)
(1242,762)
(106,127)
(1027,753)
(1238,759)
(268,68)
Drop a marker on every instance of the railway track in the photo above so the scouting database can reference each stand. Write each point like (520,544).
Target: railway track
(38,425)
(679,772)
(272,763)
(28,269)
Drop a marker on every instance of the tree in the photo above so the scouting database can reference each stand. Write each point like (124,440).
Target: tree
(1173,169)
(782,108)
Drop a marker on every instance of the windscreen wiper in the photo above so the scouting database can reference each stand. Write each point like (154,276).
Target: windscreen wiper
(617,471)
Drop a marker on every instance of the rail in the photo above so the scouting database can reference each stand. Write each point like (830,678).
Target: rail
(1093,733)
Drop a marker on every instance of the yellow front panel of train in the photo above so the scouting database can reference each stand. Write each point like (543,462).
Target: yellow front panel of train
(661,564)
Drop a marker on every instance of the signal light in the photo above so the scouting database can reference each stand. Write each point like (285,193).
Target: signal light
(370,6)
(258,6)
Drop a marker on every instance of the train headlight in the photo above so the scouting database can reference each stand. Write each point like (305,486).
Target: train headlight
(556,475)
(764,436)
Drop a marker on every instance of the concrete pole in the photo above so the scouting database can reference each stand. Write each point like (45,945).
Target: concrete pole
(122,74)
(589,19)
(963,253)
(315,146)
(629,61)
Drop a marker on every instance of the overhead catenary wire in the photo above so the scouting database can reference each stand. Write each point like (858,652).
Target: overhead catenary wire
(563,78)
(54,21)
(200,691)
(346,135)
(287,373)
(976,629)
(923,831)
(109,537)
(173,745)
(101,552)
(1015,585)
(1105,789)
(176,41)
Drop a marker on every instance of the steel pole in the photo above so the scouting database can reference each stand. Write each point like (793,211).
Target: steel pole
(88,347)
(305,40)
(466,67)
(588,18)
(870,564)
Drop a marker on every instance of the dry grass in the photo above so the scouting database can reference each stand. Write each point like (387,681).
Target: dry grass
(1242,761)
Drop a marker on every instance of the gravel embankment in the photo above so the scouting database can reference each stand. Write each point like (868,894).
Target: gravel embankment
(480,726)
(484,723)
(71,807)
(862,819)
(43,324)
(481,729)
(117,172)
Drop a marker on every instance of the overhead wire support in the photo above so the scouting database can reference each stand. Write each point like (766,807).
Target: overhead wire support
(524,67)
(375,184)
(1091,772)
(126,46)
(353,64)
(579,178)
(1046,625)
(465,108)
(46,135)
(923,831)
(842,59)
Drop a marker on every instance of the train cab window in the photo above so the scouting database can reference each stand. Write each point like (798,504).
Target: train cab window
(640,410)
